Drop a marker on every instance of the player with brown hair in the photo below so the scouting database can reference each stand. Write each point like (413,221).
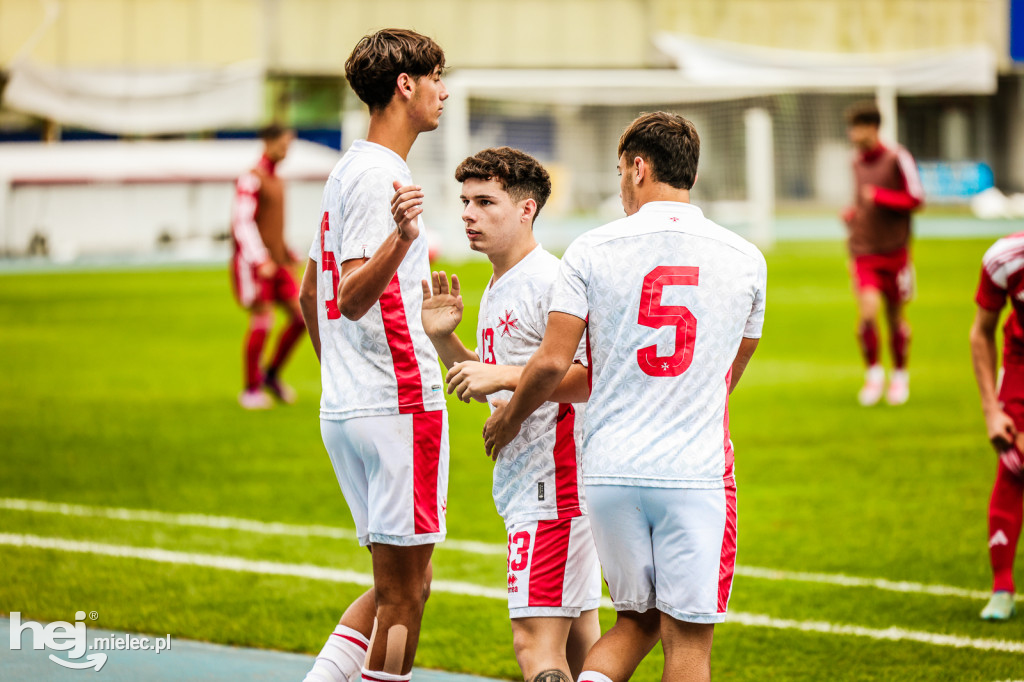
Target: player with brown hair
(382,412)
(887,191)
(261,269)
(554,580)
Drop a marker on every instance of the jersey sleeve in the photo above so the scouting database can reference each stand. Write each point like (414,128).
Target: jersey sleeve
(755,321)
(569,294)
(366,220)
(911,196)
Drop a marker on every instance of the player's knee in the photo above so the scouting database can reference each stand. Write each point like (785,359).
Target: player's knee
(427,579)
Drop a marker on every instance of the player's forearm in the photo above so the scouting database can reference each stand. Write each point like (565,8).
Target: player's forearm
(537,383)
(361,287)
(307,303)
(451,350)
(573,388)
(739,364)
(984,359)
(896,199)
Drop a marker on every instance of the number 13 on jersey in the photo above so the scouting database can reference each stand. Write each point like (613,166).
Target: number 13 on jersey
(655,315)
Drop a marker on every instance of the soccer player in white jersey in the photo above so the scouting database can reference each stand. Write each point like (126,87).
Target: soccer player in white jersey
(673,306)
(554,580)
(382,411)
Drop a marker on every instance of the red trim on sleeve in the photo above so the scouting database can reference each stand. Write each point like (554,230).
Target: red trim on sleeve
(403,353)
(989,295)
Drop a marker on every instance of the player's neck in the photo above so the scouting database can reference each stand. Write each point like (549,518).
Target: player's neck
(659,191)
(507,260)
(390,128)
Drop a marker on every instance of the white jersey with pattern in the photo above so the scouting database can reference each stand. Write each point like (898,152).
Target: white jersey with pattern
(668,296)
(537,475)
(383,363)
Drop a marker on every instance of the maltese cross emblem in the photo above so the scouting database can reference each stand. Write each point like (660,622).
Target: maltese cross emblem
(507,323)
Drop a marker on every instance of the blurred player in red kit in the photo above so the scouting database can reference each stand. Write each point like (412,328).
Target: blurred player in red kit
(261,270)
(888,190)
(1002,401)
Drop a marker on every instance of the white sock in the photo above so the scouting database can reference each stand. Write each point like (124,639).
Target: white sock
(593,676)
(376,676)
(342,658)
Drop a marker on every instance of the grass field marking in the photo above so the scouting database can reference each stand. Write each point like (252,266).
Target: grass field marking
(222,523)
(852,581)
(893,634)
(309,571)
(468,546)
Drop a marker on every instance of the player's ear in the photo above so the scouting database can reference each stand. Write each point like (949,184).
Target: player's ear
(640,170)
(405,85)
(528,210)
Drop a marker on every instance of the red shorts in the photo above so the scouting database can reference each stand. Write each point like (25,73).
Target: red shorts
(890,273)
(251,289)
(1011,393)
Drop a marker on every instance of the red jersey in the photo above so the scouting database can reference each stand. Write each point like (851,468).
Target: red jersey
(1002,277)
(882,225)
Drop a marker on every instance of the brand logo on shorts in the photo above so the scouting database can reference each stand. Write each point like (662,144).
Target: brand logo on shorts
(512,580)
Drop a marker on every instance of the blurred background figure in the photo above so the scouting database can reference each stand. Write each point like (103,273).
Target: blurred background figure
(261,269)
(887,191)
(1002,401)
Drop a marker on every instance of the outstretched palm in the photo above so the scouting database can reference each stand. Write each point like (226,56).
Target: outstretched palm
(442,305)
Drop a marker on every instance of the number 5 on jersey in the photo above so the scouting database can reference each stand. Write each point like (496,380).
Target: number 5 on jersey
(655,315)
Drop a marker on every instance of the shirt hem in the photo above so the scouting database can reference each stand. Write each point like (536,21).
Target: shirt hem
(642,482)
(342,415)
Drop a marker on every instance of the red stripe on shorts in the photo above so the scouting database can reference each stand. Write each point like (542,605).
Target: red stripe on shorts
(547,569)
(727,562)
(426,436)
(567,494)
(403,354)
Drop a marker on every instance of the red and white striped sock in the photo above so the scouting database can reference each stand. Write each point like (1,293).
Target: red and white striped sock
(342,658)
(377,676)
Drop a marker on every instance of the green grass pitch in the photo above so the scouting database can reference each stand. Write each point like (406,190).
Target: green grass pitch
(119,390)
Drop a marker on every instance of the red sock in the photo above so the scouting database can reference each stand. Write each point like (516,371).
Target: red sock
(868,336)
(254,340)
(900,345)
(1005,514)
(292,333)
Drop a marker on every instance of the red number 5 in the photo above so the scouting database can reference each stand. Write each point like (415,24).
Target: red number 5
(328,264)
(655,315)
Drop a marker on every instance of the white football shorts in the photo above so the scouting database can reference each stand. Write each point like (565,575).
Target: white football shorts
(552,568)
(673,549)
(393,471)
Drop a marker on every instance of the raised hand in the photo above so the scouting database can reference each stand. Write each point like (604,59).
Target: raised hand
(442,305)
(406,205)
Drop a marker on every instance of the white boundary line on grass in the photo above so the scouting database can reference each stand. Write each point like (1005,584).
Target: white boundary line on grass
(312,572)
(221,523)
(468,546)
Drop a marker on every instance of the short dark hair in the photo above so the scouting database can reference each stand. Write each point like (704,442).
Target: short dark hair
(273,131)
(668,142)
(379,59)
(520,174)
(864,113)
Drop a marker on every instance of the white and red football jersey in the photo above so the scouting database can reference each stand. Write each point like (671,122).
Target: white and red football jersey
(1002,277)
(667,295)
(249,247)
(537,475)
(383,363)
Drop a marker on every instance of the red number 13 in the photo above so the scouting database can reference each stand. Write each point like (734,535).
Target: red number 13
(655,315)
(487,347)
